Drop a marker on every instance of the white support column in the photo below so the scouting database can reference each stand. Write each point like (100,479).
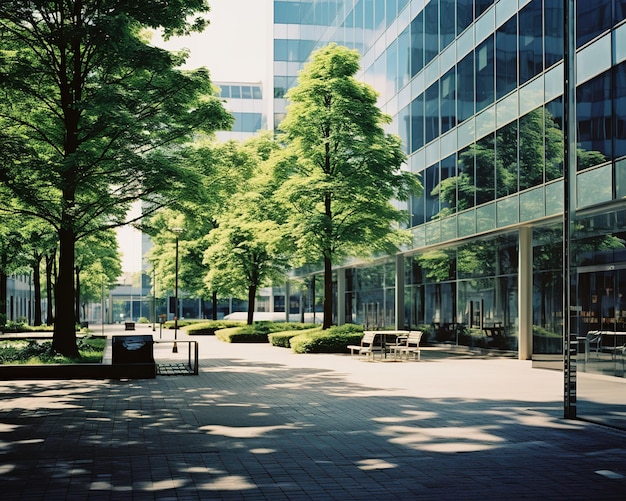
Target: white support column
(399,292)
(341,296)
(525,293)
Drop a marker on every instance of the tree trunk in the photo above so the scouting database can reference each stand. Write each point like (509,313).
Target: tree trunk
(64,340)
(3,293)
(77,294)
(328,293)
(37,289)
(50,259)
(251,299)
(214,301)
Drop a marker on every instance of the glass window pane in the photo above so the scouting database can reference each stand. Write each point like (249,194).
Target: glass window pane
(482,6)
(417,123)
(592,18)
(506,158)
(506,58)
(485,171)
(417,44)
(225,91)
(553,134)
(553,29)
(448,101)
(532,204)
(466,182)
(431,106)
(431,30)
(404,127)
(484,74)
(431,181)
(417,211)
(246,92)
(464,14)
(620,179)
(620,110)
(594,187)
(532,156)
(447,187)
(465,87)
(235,91)
(256,93)
(593,113)
(404,58)
(446,23)
(530,41)
(508,211)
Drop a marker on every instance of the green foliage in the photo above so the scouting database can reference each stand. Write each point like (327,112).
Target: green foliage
(32,351)
(258,332)
(208,328)
(333,340)
(282,338)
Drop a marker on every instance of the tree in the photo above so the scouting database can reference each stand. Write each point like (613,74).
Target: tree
(342,170)
(247,250)
(98,111)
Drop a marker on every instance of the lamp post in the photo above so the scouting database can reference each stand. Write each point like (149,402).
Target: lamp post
(177,232)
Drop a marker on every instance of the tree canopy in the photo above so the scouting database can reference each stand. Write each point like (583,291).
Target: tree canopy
(98,115)
(341,170)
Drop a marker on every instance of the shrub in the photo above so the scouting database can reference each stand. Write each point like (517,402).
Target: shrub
(282,339)
(258,332)
(333,340)
(143,320)
(208,328)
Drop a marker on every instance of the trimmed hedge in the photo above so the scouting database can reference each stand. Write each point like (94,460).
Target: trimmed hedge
(333,340)
(258,332)
(282,339)
(209,327)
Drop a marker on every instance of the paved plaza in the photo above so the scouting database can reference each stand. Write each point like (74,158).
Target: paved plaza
(261,422)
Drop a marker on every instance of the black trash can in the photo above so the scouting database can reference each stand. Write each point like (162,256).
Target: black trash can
(133,356)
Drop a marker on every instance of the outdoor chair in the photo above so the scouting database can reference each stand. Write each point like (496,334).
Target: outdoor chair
(367,346)
(408,344)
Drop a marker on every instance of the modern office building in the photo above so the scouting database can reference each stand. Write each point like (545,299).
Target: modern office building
(246,104)
(476,92)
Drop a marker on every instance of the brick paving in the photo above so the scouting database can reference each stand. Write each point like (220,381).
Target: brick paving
(261,423)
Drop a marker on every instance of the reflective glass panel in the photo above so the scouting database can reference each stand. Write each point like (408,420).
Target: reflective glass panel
(530,41)
(484,74)
(620,110)
(417,123)
(506,58)
(431,106)
(466,182)
(465,87)
(431,181)
(592,18)
(593,112)
(417,44)
(447,187)
(553,30)
(620,179)
(448,101)
(531,149)
(431,30)
(404,127)
(594,187)
(506,159)
(446,23)
(404,58)
(464,14)
(553,134)
(485,171)
(482,6)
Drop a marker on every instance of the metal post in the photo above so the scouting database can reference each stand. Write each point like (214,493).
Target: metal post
(175,348)
(569,204)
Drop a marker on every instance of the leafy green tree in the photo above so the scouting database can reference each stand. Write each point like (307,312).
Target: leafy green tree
(342,170)
(97,112)
(248,249)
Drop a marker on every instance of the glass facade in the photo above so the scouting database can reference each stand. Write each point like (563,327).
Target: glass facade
(475,88)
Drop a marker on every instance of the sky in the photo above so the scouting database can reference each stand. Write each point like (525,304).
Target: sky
(234,47)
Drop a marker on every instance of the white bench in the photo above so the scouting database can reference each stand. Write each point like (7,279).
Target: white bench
(367,346)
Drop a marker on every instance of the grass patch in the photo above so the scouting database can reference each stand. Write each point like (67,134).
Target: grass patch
(38,352)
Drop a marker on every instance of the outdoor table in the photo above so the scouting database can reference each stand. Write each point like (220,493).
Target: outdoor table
(387,338)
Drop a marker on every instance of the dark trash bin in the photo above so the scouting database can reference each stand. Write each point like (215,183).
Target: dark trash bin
(129,326)
(133,356)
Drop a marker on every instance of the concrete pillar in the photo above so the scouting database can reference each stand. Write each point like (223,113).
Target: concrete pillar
(341,296)
(399,292)
(525,293)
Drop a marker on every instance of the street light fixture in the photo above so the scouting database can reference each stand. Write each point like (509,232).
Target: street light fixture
(177,232)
